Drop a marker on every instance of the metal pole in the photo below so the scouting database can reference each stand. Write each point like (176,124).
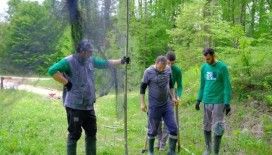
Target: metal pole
(177,119)
(125,94)
(2,82)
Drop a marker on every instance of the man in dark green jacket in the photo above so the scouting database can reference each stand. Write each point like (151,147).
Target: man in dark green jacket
(215,94)
(80,93)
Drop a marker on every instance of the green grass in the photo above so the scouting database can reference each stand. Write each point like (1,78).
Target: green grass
(32,124)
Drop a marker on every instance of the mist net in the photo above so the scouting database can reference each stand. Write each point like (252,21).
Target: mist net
(36,34)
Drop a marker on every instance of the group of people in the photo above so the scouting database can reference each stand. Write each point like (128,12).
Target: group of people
(76,73)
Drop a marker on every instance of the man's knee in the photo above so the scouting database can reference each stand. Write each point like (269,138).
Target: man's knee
(91,133)
(74,136)
(207,126)
(219,128)
(173,136)
(152,133)
(173,131)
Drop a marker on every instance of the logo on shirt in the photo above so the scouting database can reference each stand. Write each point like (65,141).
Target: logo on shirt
(211,75)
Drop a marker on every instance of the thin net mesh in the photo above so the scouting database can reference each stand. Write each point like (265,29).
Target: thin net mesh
(57,27)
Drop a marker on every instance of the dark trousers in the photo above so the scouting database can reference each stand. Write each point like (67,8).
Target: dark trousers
(78,119)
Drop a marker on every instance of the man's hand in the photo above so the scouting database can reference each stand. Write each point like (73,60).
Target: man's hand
(178,100)
(175,102)
(197,105)
(227,108)
(68,85)
(125,60)
(143,107)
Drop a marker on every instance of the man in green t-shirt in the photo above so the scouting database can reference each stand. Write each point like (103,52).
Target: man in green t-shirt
(177,80)
(215,94)
(80,95)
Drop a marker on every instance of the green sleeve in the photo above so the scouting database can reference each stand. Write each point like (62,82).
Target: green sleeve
(179,82)
(100,63)
(227,86)
(61,66)
(202,84)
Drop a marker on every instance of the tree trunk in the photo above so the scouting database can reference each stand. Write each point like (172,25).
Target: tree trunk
(243,15)
(269,2)
(75,21)
(252,15)
(262,18)
(233,12)
(107,6)
(140,6)
(206,14)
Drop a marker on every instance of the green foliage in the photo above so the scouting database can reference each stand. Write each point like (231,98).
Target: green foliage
(191,79)
(200,24)
(149,29)
(3,29)
(30,37)
(251,74)
(63,47)
(152,41)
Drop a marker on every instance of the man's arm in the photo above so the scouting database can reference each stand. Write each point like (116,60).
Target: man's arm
(227,90)
(102,63)
(57,70)
(143,87)
(179,83)
(124,60)
(227,86)
(115,61)
(172,90)
(142,96)
(58,76)
(202,84)
(201,88)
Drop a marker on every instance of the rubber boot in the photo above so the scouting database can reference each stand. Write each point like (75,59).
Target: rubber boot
(217,141)
(151,146)
(208,142)
(71,147)
(172,146)
(90,145)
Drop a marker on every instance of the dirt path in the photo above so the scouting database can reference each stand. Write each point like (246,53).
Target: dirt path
(18,83)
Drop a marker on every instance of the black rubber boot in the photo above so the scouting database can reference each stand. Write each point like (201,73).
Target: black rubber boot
(71,147)
(217,141)
(90,145)
(151,146)
(172,146)
(208,142)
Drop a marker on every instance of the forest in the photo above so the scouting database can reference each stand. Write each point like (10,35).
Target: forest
(34,35)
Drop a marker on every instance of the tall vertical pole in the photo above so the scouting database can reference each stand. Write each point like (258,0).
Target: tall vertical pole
(125,94)
(2,82)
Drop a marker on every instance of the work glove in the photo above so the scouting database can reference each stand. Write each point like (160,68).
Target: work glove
(125,60)
(68,86)
(197,105)
(227,108)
